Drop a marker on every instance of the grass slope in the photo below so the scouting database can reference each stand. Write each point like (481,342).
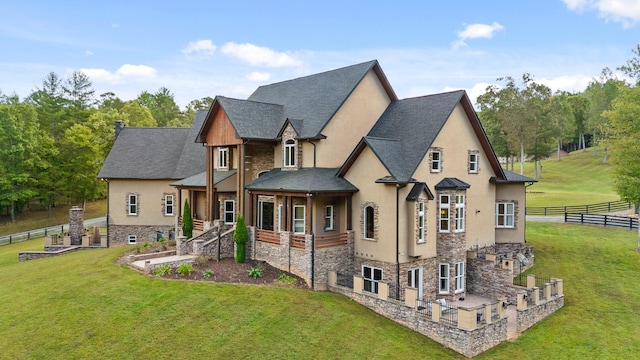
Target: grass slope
(579,178)
(82,305)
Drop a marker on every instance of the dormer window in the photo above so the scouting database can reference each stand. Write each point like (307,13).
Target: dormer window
(290,153)
(223,158)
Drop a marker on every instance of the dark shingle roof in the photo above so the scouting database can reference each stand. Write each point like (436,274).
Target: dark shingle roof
(307,180)
(417,190)
(156,153)
(405,131)
(252,119)
(200,180)
(452,184)
(313,99)
(512,177)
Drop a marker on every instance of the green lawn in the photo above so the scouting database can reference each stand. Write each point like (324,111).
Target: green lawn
(578,179)
(82,305)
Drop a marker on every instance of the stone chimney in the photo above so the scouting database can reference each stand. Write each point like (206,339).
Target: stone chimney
(76,225)
(119,127)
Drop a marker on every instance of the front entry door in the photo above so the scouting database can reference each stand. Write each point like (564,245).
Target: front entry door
(414,277)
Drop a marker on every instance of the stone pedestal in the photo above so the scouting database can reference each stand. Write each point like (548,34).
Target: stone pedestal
(76,225)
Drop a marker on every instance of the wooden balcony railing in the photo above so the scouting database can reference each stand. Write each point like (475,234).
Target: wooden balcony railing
(198,225)
(331,240)
(268,236)
(297,241)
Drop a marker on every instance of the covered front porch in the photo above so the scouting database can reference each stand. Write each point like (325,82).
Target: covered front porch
(301,222)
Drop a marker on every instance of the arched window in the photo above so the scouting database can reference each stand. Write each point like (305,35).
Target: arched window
(290,153)
(369,223)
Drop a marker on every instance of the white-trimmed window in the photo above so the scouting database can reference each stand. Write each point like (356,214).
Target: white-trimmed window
(299,219)
(132,239)
(369,227)
(443,276)
(459,276)
(132,204)
(371,276)
(436,161)
(168,205)
(473,163)
(421,232)
(290,153)
(229,211)
(328,217)
(444,213)
(459,213)
(505,215)
(223,158)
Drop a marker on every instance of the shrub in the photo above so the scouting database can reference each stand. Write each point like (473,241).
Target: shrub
(202,260)
(185,269)
(286,279)
(255,272)
(187,220)
(207,273)
(240,237)
(163,269)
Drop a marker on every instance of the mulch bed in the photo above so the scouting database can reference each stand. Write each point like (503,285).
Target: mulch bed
(228,271)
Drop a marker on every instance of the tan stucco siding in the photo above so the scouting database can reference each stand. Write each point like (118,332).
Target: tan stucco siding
(351,122)
(512,193)
(455,141)
(150,201)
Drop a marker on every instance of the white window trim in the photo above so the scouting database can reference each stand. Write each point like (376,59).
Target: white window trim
(223,158)
(303,219)
(460,213)
(169,204)
(289,153)
(374,282)
(444,206)
(227,212)
(366,219)
(506,215)
(443,276)
(459,277)
(131,204)
(421,216)
(328,217)
(473,163)
(437,162)
(132,239)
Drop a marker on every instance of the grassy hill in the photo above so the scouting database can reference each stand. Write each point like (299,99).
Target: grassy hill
(83,305)
(579,178)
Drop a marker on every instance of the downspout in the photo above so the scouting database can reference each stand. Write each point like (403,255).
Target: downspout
(107,180)
(397,241)
(313,241)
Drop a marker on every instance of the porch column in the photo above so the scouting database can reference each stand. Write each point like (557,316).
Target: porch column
(307,215)
(349,215)
(210,192)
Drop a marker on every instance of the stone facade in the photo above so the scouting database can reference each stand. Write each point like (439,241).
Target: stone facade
(258,159)
(76,225)
(118,234)
(484,278)
(290,134)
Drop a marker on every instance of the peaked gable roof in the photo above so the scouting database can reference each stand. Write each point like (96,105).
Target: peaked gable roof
(250,119)
(406,130)
(156,153)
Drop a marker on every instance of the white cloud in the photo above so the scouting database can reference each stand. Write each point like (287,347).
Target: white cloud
(626,12)
(202,47)
(571,83)
(474,31)
(258,55)
(101,75)
(114,25)
(136,71)
(259,76)
(88,52)
(126,70)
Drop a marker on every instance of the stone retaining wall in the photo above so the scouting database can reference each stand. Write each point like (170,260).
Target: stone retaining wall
(484,278)
(466,342)
(118,234)
(533,315)
(34,255)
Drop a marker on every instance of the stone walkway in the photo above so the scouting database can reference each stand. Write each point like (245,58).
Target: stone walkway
(163,260)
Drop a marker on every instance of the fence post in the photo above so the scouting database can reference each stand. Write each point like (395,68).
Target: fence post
(10,239)
(581,218)
(565,217)
(630,223)
(605,220)
(45,232)
(28,235)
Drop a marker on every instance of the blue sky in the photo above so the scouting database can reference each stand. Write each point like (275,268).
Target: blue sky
(209,48)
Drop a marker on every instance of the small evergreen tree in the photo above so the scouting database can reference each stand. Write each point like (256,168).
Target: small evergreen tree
(187,220)
(240,237)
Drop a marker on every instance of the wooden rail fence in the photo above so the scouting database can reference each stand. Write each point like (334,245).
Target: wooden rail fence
(598,208)
(626,222)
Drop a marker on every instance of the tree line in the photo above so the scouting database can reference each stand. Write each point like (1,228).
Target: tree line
(528,121)
(54,142)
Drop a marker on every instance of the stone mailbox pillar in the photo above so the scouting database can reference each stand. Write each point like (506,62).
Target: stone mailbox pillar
(76,225)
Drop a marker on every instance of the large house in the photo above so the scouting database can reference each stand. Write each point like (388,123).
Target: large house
(332,172)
